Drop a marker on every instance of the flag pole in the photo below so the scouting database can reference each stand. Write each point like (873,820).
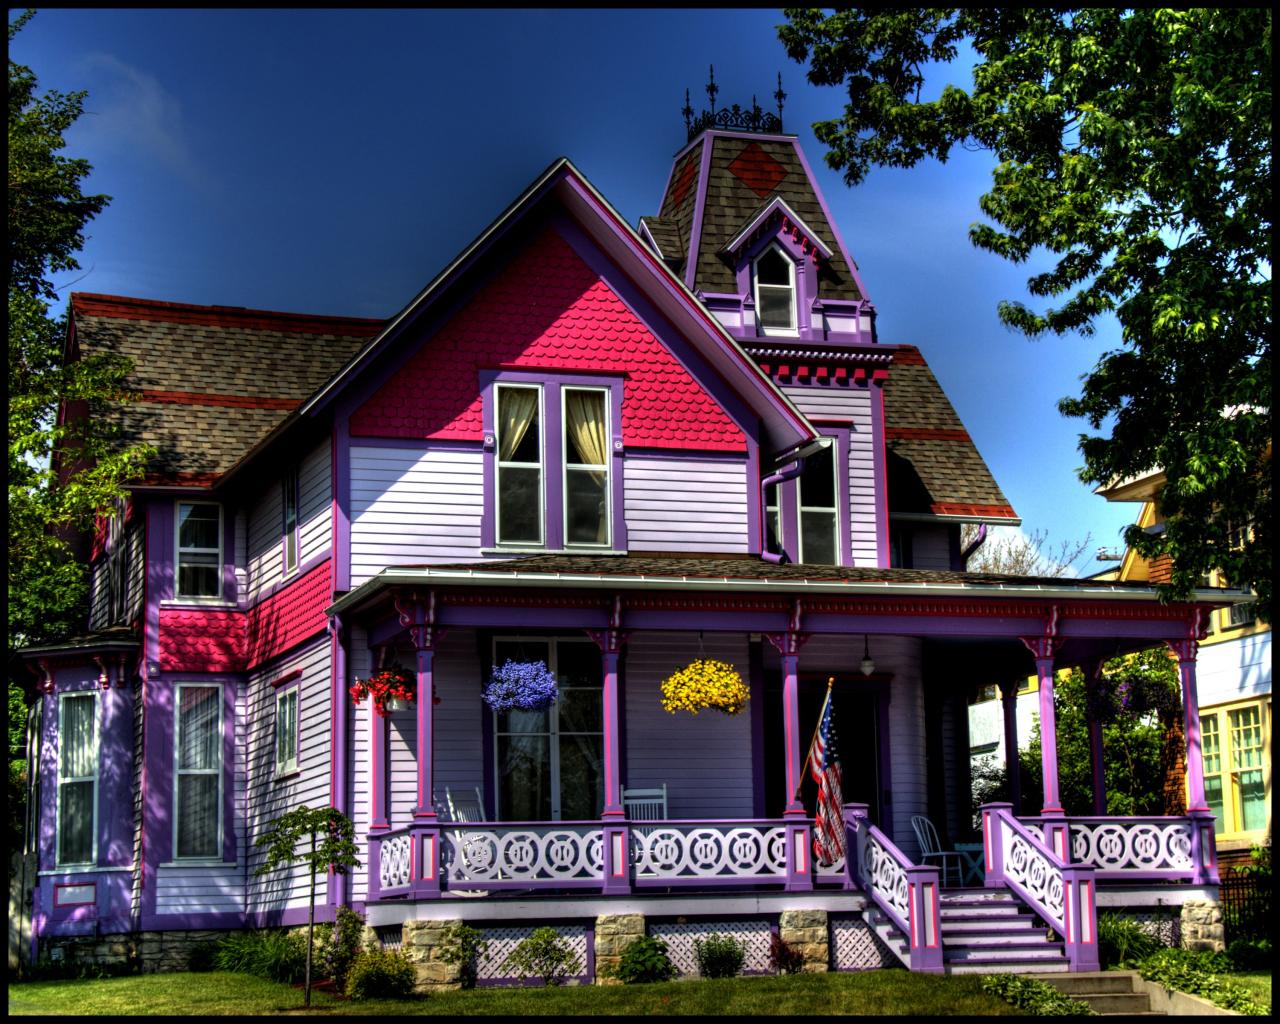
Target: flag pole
(814,739)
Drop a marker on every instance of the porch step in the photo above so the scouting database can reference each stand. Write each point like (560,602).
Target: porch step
(1110,993)
(990,931)
(888,933)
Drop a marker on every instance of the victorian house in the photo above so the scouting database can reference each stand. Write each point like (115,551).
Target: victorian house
(614,450)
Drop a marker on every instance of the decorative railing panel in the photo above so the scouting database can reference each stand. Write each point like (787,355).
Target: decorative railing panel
(1130,847)
(720,853)
(885,876)
(1029,864)
(395,867)
(512,856)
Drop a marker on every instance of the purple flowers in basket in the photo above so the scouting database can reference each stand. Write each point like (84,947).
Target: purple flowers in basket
(521,686)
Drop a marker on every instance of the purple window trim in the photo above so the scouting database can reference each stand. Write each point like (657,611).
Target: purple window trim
(879,469)
(804,277)
(226,554)
(551,386)
(279,688)
(57,886)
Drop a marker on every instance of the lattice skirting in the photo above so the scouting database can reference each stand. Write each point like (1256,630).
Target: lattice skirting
(1164,927)
(680,938)
(855,947)
(503,941)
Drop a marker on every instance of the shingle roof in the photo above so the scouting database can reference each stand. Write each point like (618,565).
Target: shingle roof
(934,467)
(666,234)
(213,380)
(744,172)
(679,202)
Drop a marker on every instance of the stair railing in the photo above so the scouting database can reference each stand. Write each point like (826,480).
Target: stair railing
(1062,893)
(906,893)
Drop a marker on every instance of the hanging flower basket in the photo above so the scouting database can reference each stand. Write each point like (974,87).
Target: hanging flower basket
(392,689)
(521,686)
(705,683)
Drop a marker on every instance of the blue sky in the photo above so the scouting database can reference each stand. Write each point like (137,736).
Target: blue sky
(333,161)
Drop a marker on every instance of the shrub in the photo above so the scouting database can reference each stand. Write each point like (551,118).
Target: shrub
(783,958)
(1034,998)
(1200,974)
(343,947)
(544,954)
(1250,954)
(644,960)
(463,946)
(1122,940)
(719,956)
(273,955)
(202,957)
(378,973)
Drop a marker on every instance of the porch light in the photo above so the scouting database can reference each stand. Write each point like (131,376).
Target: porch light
(868,666)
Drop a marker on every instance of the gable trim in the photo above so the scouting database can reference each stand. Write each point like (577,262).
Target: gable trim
(775,204)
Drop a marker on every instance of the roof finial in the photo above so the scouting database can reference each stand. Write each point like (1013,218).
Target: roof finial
(712,88)
(779,96)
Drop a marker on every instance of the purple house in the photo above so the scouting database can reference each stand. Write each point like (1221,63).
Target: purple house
(613,451)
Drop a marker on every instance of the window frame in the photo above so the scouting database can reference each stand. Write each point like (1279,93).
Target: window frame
(117,566)
(606,396)
(794,329)
(290,536)
(499,465)
(833,452)
(220,771)
(220,596)
(290,768)
(92,695)
(1232,813)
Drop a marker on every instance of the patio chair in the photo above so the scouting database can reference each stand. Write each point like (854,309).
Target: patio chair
(645,804)
(931,848)
(466,807)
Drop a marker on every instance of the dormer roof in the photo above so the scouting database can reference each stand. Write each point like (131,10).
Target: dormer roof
(790,222)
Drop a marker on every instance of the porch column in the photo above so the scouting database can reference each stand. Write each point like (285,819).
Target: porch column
(610,642)
(1012,764)
(788,645)
(378,787)
(1095,748)
(1185,651)
(419,617)
(1043,648)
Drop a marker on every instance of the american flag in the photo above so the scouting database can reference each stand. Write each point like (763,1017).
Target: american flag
(824,767)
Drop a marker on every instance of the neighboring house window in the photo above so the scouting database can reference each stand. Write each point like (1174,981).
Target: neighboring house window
(819,509)
(287,731)
(775,278)
(550,763)
(77,777)
(199,550)
(586,466)
(1235,743)
(519,468)
(289,504)
(1241,614)
(198,772)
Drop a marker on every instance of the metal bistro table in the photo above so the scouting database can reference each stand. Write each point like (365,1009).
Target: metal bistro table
(972,871)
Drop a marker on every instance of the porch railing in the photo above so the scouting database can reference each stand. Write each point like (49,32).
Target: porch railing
(906,893)
(426,860)
(1064,894)
(1132,848)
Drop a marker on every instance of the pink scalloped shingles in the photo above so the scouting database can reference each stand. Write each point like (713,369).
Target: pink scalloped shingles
(549,311)
(199,640)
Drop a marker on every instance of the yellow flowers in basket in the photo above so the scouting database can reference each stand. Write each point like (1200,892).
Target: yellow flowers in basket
(705,683)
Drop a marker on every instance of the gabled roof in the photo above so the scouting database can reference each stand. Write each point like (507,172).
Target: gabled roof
(767,209)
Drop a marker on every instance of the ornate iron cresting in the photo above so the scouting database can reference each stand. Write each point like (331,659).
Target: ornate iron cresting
(735,118)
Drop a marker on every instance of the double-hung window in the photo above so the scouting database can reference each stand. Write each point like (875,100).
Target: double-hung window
(519,469)
(1235,745)
(772,521)
(586,466)
(287,731)
(77,777)
(289,506)
(775,278)
(198,771)
(819,508)
(199,549)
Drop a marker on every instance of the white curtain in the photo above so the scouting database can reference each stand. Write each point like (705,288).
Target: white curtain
(199,763)
(586,427)
(286,728)
(516,410)
(75,799)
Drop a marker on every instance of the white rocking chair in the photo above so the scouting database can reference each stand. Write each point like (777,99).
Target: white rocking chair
(469,808)
(931,848)
(645,804)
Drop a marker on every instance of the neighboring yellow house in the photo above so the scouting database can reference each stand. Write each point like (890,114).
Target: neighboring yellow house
(1233,676)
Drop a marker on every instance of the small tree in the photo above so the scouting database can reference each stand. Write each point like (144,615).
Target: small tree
(544,954)
(332,846)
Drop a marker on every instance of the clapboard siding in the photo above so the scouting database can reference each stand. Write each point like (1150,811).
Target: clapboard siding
(359,758)
(135,573)
(930,548)
(265,558)
(685,504)
(850,406)
(413,506)
(712,775)
(269,797)
(135,890)
(216,888)
(900,657)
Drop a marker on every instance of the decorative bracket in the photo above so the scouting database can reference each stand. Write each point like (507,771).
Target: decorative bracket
(104,676)
(419,619)
(1197,629)
(612,639)
(45,685)
(790,642)
(1044,646)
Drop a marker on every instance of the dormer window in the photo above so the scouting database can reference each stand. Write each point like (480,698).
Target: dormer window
(775,280)
(519,465)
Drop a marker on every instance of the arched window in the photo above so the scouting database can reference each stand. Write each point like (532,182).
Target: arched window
(775,278)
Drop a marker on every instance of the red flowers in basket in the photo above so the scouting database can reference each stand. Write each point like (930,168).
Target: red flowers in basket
(391,689)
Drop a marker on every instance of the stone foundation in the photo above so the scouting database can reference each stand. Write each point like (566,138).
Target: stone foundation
(614,933)
(1202,926)
(421,942)
(146,952)
(806,932)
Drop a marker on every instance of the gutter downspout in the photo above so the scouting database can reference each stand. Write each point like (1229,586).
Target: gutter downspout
(796,460)
(974,544)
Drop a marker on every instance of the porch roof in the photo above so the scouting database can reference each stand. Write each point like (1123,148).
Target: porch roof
(637,572)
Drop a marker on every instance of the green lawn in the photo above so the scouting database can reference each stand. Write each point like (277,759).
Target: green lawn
(895,992)
(1257,982)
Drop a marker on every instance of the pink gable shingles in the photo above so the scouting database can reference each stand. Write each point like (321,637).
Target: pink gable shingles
(549,311)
